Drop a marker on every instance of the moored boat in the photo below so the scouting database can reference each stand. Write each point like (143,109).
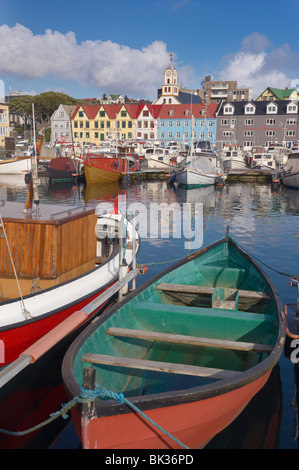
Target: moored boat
(15,166)
(232,157)
(52,263)
(290,173)
(105,169)
(263,161)
(175,363)
(63,169)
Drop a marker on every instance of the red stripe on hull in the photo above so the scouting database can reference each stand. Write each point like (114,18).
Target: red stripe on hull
(193,424)
(16,340)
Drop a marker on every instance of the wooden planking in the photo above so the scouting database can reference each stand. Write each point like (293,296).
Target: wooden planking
(189,340)
(168,367)
(208,290)
(46,249)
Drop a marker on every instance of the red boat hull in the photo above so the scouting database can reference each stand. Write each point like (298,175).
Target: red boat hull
(16,338)
(194,424)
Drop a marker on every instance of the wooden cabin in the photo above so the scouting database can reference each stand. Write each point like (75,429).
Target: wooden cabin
(49,245)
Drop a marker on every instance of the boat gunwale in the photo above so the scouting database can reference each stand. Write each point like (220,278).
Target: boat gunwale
(171,398)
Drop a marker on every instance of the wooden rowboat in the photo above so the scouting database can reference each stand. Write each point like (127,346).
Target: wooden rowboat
(188,350)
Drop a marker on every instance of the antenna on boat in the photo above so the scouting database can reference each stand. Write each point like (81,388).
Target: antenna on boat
(33,186)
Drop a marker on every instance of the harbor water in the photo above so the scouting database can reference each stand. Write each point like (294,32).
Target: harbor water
(262,219)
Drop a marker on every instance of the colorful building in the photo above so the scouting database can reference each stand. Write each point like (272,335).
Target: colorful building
(175,123)
(273,94)
(4,124)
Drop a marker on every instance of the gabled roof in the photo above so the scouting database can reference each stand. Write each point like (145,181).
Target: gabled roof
(112,109)
(281,94)
(90,110)
(196,109)
(154,109)
(260,107)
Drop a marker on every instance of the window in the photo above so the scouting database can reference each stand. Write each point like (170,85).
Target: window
(271,109)
(247,144)
(228,109)
(162,135)
(178,123)
(170,135)
(123,113)
(291,133)
(224,122)
(249,109)
(161,123)
(178,135)
(171,112)
(291,121)
(102,113)
(291,108)
(211,123)
(145,113)
(248,122)
(81,114)
(248,133)
(202,135)
(186,123)
(123,124)
(96,124)
(270,133)
(187,112)
(170,123)
(76,124)
(271,122)
(227,133)
(96,135)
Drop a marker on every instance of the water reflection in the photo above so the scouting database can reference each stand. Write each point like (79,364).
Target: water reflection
(262,220)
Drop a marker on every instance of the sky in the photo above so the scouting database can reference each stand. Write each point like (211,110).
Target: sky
(87,49)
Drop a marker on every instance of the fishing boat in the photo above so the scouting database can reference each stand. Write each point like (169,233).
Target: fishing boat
(232,157)
(177,360)
(290,173)
(63,169)
(108,168)
(263,161)
(196,170)
(160,158)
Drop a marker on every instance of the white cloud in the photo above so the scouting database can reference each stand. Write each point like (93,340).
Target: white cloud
(103,64)
(259,66)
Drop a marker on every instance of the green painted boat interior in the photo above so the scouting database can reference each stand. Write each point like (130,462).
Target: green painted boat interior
(228,272)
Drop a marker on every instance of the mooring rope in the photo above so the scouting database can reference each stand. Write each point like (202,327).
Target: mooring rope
(25,311)
(85,397)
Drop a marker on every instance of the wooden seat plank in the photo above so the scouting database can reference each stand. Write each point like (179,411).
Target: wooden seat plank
(190,340)
(209,290)
(168,367)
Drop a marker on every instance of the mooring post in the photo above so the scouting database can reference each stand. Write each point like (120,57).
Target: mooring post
(88,409)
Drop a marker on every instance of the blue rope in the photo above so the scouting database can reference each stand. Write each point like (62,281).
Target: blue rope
(85,397)
(102,393)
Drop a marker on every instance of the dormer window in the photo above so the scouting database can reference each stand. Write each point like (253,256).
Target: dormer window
(187,112)
(228,109)
(171,112)
(249,109)
(271,108)
(292,108)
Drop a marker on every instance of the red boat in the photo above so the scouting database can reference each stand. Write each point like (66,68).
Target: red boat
(107,169)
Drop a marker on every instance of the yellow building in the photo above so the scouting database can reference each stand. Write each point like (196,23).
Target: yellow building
(4,123)
(274,94)
(96,123)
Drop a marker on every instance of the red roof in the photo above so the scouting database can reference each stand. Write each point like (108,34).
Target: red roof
(196,109)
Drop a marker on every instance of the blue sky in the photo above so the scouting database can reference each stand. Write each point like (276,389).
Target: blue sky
(87,49)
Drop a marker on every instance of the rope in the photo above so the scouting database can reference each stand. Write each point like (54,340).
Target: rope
(25,311)
(85,397)
(102,393)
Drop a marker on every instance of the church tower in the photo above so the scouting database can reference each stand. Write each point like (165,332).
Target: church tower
(170,87)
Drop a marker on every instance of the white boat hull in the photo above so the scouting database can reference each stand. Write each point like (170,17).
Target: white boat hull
(233,164)
(292,180)
(189,177)
(15,167)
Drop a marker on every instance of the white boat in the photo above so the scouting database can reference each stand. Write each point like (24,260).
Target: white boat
(280,152)
(159,158)
(263,161)
(197,170)
(15,166)
(232,157)
(290,174)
